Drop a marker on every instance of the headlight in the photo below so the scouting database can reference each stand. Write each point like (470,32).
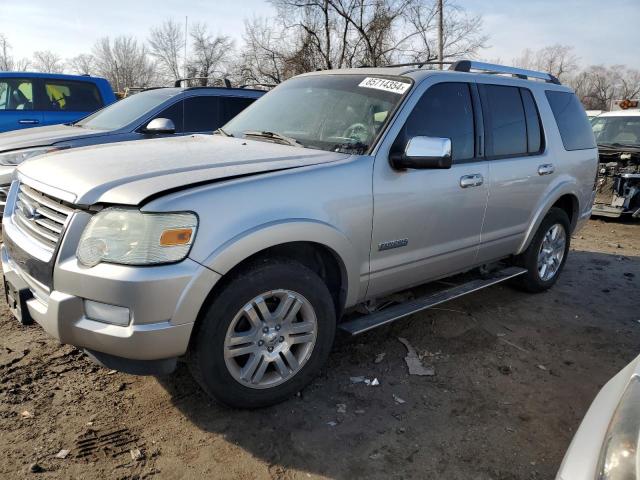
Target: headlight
(130,237)
(619,455)
(18,156)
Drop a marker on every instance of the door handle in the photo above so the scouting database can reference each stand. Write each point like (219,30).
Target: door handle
(474,180)
(545,169)
(28,121)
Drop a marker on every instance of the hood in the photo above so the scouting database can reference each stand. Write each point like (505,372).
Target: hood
(43,136)
(129,172)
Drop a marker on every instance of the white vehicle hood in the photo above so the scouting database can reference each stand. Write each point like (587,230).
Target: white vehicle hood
(130,172)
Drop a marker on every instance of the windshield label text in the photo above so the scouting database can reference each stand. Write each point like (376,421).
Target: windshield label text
(385,84)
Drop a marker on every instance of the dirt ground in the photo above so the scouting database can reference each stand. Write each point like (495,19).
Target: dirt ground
(515,373)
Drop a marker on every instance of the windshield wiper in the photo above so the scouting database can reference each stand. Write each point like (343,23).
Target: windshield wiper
(358,148)
(274,136)
(220,131)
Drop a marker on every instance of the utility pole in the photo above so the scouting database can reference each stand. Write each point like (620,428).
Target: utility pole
(186,36)
(440,33)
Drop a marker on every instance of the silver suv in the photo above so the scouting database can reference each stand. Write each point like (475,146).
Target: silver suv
(245,251)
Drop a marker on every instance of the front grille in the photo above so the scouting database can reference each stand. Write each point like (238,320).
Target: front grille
(4,191)
(40,217)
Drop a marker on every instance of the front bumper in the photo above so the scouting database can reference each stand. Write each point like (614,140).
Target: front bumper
(62,314)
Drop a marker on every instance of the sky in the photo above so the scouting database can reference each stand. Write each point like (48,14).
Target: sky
(595,28)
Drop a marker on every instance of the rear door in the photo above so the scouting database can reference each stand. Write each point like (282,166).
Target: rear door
(69,100)
(519,168)
(18,103)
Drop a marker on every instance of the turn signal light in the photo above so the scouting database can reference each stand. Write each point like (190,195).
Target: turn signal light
(176,236)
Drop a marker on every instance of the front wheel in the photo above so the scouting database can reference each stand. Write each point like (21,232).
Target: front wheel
(547,253)
(265,335)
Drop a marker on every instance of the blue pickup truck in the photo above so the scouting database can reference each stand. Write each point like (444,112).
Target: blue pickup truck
(35,99)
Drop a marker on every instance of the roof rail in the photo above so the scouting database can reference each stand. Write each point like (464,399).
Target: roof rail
(468,65)
(418,64)
(178,82)
(251,85)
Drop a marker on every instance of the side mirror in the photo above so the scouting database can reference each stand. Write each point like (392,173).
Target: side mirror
(160,125)
(423,152)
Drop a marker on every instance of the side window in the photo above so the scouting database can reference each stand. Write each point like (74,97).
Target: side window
(16,94)
(575,129)
(445,110)
(201,114)
(232,106)
(504,121)
(175,113)
(534,131)
(72,96)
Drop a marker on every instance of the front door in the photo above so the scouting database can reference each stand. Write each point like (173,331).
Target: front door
(427,223)
(17,104)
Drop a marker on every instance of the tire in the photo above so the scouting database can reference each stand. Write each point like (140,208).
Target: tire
(230,321)
(534,280)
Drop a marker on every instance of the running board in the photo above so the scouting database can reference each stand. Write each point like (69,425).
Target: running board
(391,314)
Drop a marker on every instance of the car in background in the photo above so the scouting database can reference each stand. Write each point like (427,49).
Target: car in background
(618,186)
(148,114)
(606,445)
(35,99)
(591,114)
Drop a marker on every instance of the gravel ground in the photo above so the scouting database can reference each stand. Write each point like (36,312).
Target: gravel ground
(514,374)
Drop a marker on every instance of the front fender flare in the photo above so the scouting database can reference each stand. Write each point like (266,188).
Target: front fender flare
(261,237)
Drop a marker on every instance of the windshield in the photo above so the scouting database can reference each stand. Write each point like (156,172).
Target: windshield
(127,110)
(617,131)
(326,112)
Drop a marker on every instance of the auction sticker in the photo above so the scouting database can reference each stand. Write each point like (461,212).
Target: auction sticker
(385,84)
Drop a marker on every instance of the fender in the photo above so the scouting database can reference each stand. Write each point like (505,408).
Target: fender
(563,186)
(279,232)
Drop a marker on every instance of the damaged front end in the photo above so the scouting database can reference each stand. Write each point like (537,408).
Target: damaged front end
(618,182)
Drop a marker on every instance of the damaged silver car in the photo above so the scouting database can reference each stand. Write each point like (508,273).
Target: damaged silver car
(618,186)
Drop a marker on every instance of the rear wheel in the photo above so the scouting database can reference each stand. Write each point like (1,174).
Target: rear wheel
(547,253)
(265,335)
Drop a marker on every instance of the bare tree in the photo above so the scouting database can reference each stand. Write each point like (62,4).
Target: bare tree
(209,53)
(83,64)
(48,62)
(166,42)
(324,34)
(264,57)
(7,62)
(558,60)
(124,62)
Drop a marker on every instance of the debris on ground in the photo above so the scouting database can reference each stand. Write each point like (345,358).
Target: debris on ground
(379,357)
(398,400)
(26,414)
(357,379)
(136,454)
(542,367)
(413,361)
(372,383)
(332,423)
(63,453)
(341,408)
(359,412)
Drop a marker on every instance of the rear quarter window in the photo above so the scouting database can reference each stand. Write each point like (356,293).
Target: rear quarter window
(575,128)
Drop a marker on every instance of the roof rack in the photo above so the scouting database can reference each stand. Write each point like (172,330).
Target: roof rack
(468,65)
(178,83)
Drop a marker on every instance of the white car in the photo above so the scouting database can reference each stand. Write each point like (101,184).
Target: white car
(606,445)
